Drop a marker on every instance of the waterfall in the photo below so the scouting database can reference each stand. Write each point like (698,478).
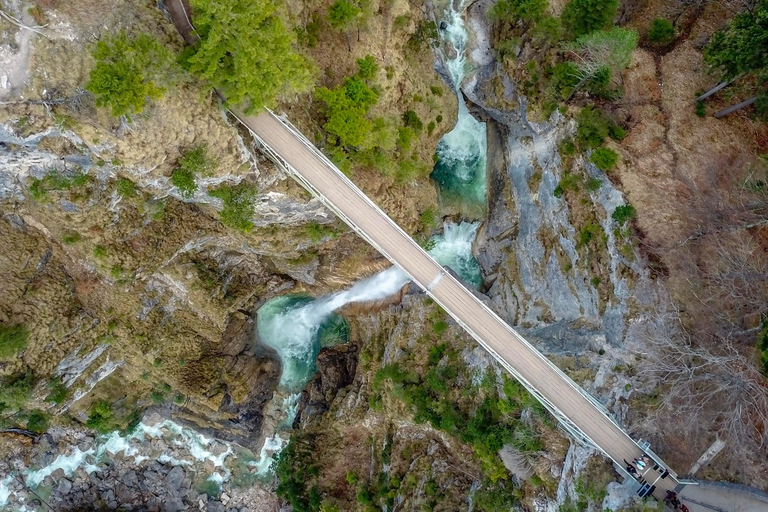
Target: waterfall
(461,153)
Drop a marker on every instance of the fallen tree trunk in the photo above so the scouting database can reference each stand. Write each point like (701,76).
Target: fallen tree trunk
(735,107)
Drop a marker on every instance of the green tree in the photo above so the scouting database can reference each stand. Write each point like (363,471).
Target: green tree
(343,15)
(742,46)
(623,213)
(581,17)
(129,71)
(246,51)
(604,158)
(661,32)
(347,106)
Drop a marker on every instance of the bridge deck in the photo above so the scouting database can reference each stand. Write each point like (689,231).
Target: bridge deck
(485,326)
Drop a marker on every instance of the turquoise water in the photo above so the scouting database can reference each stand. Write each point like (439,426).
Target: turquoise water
(297,326)
(461,154)
(453,249)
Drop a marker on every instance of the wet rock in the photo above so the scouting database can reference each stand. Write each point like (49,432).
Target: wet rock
(335,370)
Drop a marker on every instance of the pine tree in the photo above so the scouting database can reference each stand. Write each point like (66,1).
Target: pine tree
(247,52)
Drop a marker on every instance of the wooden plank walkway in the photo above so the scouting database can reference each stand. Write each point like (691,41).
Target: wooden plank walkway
(486,327)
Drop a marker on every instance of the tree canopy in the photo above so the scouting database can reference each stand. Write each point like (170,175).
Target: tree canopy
(742,46)
(247,52)
(581,17)
(347,106)
(129,71)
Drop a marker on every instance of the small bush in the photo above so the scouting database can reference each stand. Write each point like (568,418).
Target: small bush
(100,252)
(431,127)
(569,181)
(37,421)
(238,205)
(589,233)
(594,127)
(184,180)
(13,339)
(367,67)
(661,32)
(510,11)
(126,188)
(412,120)
(564,76)
(198,161)
(604,158)
(71,238)
(55,180)
(439,327)
(16,391)
(342,15)
(701,109)
(58,391)
(316,231)
(593,184)
(436,90)
(624,213)
(101,417)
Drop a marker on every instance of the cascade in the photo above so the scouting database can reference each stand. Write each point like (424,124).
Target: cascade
(461,153)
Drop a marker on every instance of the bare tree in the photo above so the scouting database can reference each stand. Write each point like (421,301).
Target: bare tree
(708,382)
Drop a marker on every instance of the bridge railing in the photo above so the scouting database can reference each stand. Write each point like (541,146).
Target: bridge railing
(568,425)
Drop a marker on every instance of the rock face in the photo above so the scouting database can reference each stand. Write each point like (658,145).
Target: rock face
(162,466)
(335,370)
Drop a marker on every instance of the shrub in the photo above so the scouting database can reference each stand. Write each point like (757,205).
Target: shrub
(13,339)
(55,180)
(581,17)
(342,15)
(405,138)
(701,109)
(16,390)
(100,252)
(58,391)
(316,231)
(742,46)
(431,127)
(71,238)
(238,205)
(564,76)
(184,180)
(411,119)
(197,161)
(601,55)
(367,67)
(125,188)
(569,181)
(589,233)
(594,127)
(510,11)
(128,72)
(604,158)
(436,90)
(661,32)
(247,52)
(593,184)
(101,417)
(623,213)
(37,421)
